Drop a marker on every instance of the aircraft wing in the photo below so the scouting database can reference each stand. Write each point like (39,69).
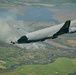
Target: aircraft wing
(64,29)
(16,29)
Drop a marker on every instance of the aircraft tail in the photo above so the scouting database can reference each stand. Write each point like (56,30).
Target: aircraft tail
(64,29)
(66,26)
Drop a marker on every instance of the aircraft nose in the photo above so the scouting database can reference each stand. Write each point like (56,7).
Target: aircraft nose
(23,39)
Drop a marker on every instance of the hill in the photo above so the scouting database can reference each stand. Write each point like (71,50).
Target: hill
(62,66)
(55,2)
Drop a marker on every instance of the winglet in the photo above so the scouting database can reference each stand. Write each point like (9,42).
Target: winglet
(63,30)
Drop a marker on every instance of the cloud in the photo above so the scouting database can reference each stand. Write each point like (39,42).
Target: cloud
(7,34)
(5,31)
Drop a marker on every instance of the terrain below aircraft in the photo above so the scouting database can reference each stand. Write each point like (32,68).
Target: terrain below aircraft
(46,33)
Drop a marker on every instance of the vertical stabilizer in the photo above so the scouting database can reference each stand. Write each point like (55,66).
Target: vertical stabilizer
(64,29)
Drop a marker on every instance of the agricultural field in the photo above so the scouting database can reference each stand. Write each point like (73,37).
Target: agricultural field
(62,66)
(12,3)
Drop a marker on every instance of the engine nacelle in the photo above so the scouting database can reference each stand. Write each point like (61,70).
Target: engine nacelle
(72,30)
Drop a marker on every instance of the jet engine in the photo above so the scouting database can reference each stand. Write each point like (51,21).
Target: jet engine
(72,30)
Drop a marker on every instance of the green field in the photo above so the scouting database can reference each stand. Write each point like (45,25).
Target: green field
(62,66)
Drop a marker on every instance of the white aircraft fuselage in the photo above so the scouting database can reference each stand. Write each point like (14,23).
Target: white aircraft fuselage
(46,33)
